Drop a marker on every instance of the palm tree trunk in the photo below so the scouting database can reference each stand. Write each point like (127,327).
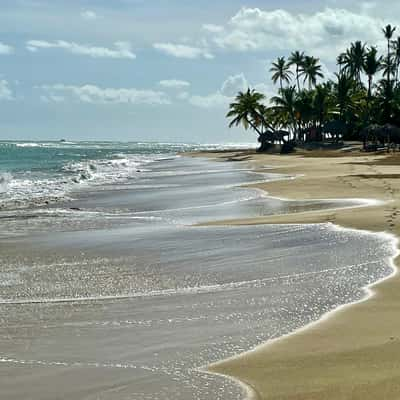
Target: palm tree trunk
(369,96)
(254,127)
(297,78)
(388,61)
(369,87)
(264,123)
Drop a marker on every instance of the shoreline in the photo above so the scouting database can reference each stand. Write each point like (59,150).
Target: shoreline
(369,293)
(257,358)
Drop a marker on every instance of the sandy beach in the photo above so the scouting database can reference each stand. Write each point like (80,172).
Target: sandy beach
(116,291)
(355,352)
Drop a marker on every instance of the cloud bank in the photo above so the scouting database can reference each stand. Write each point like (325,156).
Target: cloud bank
(120,50)
(96,95)
(183,51)
(174,84)
(256,29)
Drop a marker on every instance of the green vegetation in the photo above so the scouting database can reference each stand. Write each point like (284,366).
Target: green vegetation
(361,102)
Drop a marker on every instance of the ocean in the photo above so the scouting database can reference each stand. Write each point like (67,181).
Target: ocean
(41,172)
(109,288)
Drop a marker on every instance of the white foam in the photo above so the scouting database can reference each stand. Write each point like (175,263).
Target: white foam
(79,364)
(201,289)
(27,144)
(5,179)
(31,189)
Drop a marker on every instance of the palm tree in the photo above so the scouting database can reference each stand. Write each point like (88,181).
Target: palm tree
(396,48)
(385,97)
(342,90)
(372,65)
(354,60)
(388,32)
(388,68)
(311,70)
(247,110)
(297,59)
(285,105)
(321,103)
(281,71)
(341,61)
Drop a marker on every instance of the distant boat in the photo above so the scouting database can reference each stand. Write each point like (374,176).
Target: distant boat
(62,140)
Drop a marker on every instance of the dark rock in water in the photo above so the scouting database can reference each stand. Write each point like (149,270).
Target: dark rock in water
(75,208)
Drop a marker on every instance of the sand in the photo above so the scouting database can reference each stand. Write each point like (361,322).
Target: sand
(354,353)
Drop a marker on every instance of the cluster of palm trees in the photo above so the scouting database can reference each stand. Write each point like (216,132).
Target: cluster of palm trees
(364,92)
(306,66)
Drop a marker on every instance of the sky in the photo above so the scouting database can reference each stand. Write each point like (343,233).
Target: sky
(159,70)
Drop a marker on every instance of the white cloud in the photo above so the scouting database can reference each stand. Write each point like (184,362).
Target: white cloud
(233,84)
(89,15)
(120,50)
(6,49)
(324,32)
(221,98)
(5,91)
(213,28)
(212,100)
(183,95)
(183,51)
(52,98)
(97,95)
(174,83)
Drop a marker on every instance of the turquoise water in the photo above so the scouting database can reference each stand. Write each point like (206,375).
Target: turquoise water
(42,172)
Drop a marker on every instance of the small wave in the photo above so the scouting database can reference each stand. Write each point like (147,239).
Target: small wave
(106,170)
(246,198)
(43,186)
(79,364)
(254,283)
(71,212)
(199,172)
(27,144)
(5,179)
(43,144)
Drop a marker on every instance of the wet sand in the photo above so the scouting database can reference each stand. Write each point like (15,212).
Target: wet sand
(355,352)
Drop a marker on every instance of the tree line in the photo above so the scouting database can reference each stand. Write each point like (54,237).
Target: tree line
(362,99)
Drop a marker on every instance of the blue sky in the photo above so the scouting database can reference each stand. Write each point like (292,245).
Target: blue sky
(158,69)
